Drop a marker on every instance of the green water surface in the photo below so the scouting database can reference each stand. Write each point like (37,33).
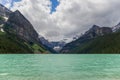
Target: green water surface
(60,67)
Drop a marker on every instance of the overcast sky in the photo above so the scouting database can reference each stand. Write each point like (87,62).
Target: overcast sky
(59,19)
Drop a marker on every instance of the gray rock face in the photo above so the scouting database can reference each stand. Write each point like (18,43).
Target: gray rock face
(20,30)
(53,45)
(16,23)
(116,28)
(93,32)
(20,26)
(96,31)
(4,11)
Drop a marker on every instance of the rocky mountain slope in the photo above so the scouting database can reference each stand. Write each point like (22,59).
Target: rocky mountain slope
(55,45)
(79,45)
(4,11)
(17,34)
(19,25)
(116,28)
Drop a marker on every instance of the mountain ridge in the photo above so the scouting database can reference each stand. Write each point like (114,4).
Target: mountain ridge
(19,32)
(94,35)
(19,25)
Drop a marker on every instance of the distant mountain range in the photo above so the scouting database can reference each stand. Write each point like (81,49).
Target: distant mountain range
(96,40)
(17,34)
(55,45)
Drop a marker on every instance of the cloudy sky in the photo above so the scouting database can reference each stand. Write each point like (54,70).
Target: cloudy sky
(59,19)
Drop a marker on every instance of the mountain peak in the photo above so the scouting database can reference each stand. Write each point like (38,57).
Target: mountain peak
(17,11)
(94,27)
(116,28)
(89,35)
(4,11)
(96,31)
(119,23)
(22,27)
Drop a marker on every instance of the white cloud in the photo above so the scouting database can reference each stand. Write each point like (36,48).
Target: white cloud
(7,3)
(72,16)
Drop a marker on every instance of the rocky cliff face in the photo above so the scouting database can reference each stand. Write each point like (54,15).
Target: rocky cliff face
(116,28)
(18,32)
(4,11)
(96,31)
(4,15)
(20,26)
(54,46)
(92,33)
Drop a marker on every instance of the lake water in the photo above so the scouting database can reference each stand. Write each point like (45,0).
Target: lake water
(60,67)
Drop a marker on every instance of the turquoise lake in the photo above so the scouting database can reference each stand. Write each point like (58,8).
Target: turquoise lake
(60,67)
